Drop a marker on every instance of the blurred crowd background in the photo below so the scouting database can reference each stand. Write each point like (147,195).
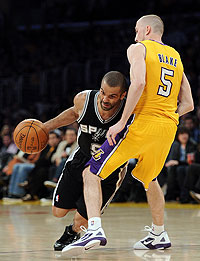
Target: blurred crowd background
(51,50)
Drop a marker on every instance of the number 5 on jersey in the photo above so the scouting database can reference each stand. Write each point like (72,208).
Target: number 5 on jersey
(166,89)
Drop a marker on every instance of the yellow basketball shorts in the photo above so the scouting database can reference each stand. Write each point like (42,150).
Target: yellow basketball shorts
(144,138)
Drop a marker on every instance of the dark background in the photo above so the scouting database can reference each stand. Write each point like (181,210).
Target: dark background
(50,50)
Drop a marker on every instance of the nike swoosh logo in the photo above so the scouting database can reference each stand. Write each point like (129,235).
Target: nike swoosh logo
(147,243)
(87,248)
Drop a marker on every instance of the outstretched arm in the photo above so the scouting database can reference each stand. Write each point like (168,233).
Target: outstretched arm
(136,57)
(68,116)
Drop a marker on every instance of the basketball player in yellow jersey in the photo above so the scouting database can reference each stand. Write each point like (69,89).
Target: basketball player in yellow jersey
(146,131)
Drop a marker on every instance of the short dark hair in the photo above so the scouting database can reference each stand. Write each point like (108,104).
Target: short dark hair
(189,117)
(72,129)
(57,132)
(182,130)
(115,79)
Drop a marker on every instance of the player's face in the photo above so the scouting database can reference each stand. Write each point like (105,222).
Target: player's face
(53,140)
(110,97)
(6,140)
(140,32)
(189,124)
(183,138)
(70,136)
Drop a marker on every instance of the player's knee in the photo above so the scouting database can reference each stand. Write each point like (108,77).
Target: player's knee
(58,212)
(89,177)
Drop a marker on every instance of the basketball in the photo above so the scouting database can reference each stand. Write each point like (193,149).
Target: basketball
(31,136)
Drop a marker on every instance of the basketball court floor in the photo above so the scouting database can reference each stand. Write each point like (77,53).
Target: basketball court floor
(28,232)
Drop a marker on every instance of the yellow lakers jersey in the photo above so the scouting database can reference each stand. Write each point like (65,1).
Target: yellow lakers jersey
(164,72)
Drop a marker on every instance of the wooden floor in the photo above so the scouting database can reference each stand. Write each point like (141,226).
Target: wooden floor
(28,232)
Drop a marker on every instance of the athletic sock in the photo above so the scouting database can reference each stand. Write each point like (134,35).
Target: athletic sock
(94,223)
(157,229)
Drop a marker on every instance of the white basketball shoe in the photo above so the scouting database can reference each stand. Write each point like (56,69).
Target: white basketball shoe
(152,241)
(91,239)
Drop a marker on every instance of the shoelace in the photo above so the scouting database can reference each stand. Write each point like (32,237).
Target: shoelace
(147,229)
(83,229)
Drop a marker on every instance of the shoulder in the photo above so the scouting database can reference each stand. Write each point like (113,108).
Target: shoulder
(81,101)
(136,49)
(80,98)
(175,145)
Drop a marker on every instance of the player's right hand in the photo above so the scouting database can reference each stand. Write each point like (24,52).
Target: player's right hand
(113,131)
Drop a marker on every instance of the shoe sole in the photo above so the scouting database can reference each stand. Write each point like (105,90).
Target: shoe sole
(79,250)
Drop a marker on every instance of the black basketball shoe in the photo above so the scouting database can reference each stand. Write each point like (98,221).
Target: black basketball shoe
(68,237)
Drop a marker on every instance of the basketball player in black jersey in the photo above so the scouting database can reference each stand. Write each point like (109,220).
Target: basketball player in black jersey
(95,111)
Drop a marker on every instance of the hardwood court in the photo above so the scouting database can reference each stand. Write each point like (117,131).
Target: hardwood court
(28,232)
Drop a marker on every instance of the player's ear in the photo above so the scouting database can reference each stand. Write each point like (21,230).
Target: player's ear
(148,29)
(123,95)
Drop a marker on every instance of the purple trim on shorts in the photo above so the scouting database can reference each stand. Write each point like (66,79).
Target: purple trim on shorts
(105,150)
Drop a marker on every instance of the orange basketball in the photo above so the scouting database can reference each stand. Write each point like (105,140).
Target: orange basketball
(31,136)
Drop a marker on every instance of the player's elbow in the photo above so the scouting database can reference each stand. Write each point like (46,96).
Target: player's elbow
(191,105)
(140,84)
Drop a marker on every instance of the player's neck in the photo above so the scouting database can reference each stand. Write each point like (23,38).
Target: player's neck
(156,41)
(155,38)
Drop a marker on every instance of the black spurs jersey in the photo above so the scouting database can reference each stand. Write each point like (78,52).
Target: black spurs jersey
(92,128)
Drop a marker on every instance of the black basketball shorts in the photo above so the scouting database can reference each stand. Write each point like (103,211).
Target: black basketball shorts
(68,193)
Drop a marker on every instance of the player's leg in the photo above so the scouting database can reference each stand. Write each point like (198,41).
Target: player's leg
(98,237)
(60,212)
(66,193)
(95,236)
(104,162)
(157,237)
(92,190)
(106,188)
(151,162)
(71,233)
(156,202)
(80,218)
(78,222)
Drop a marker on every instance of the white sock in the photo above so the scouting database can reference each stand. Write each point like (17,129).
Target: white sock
(157,229)
(94,223)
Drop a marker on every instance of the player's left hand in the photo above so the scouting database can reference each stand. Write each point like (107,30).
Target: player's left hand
(113,131)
